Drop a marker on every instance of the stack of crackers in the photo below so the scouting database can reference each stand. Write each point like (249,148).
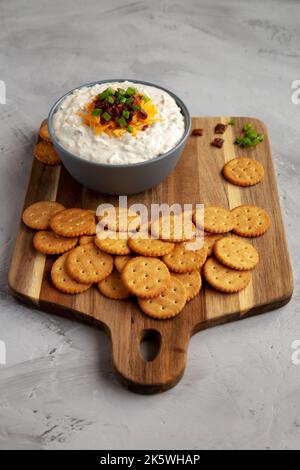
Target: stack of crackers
(162,272)
(44,150)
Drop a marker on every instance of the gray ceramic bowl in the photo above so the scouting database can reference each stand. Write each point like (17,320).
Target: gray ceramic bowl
(121,179)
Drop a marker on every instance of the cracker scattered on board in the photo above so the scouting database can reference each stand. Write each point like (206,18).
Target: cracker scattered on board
(217,219)
(114,244)
(87,264)
(50,243)
(243,171)
(113,287)
(209,241)
(223,278)
(86,239)
(72,222)
(192,283)
(119,220)
(62,280)
(236,253)
(150,246)
(38,215)
(168,304)
(183,260)
(120,261)
(174,228)
(44,131)
(250,221)
(145,277)
(46,153)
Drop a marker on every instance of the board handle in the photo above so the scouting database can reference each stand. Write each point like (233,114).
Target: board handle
(159,373)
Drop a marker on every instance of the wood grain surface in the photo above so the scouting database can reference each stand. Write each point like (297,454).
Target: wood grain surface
(196,179)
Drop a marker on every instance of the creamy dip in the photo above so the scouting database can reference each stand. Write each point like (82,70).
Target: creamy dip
(81,140)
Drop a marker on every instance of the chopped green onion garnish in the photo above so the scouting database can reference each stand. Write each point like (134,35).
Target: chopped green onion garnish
(111,91)
(106,116)
(122,99)
(110,100)
(250,138)
(129,128)
(231,122)
(135,107)
(130,91)
(96,112)
(129,100)
(145,98)
(126,114)
(122,122)
(121,91)
(103,95)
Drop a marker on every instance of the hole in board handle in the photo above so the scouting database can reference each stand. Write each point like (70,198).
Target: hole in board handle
(150,344)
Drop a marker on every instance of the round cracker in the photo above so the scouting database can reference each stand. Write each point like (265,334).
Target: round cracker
(44,131)
(120,261)
(145,277)
(150,246)
(168,304)
(174,228)
(38,215)
(62,280)
(217,220)
(236,253)
(50,243)
(223,278)
(46,153)
(72,222)
(113,243)
(119,219)
(250,221)
(113,287)
(192,283)
(86,239)
(243,171)
(183,260)
(209,241)
(88,264)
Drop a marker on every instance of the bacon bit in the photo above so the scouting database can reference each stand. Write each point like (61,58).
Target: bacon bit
(141,114)
(198,132)
(220,128)
(145,127)
(218,142)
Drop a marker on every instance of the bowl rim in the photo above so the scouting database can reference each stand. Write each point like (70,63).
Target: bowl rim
(179,102)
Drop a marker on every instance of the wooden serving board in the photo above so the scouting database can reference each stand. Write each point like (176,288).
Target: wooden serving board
(196,179)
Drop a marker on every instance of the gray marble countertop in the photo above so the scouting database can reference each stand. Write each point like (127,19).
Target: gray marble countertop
(241,388)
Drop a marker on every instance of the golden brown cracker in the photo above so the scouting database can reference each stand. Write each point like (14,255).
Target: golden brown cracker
(86,239)
(217,220)
(209,241)
(192,283)
(223,278)
(44,131)
(243,171)
(145,277)
(250,221)
(113,287)
(168,304)
(72,222)
(119,219)
(236,253)
(150,246)
(62,280)
(184,260)
(50,243)
(174,228)
(120,261)
(114,243)
(38,215)
(87,264)
(46,153)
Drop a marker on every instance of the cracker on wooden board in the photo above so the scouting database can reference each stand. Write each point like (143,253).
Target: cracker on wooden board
(183,260)
(88,264)
(38,215)
(168,304)
(119,219)
(243,171)
(216,219)
(192,283)
(113,287)
(150,246)
(44,131)
(145,277)
(250,221)
(223,278)
(86,239)
(114,243)
(50,243)
(236,253)
(120,261)
(62,280)
(72,222)
(174,228)
(46,153)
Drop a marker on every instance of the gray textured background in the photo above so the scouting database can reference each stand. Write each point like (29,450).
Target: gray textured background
(240,389)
